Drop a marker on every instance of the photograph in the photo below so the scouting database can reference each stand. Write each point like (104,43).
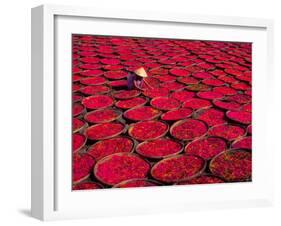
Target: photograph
(159,112)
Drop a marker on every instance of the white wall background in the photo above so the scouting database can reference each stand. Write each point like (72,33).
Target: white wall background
(15,112)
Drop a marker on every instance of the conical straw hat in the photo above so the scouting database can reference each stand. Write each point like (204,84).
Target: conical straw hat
(140,72)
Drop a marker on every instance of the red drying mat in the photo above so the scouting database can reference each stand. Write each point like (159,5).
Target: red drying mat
(178,168)
(242,143)
(211,116)
(159,148)
(131,103)
(234,165)
(188,129)
(78,125)
(133,183)
(142,113)
(94,90)
(148,130)
(103,115)
(227,131)
(93,72)
(77,109)
(116,168)
(197,103)
(105,130)
(178,114)
(126,94)
(243,117)
(111,146)
(86,186)
(81,167)
(227,105)
(207,147)
(183,95)
(98,101)
(93,81)
(203,179)
(78,141)
(165,103)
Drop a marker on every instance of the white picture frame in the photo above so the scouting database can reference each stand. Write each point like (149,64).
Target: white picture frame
(51,194)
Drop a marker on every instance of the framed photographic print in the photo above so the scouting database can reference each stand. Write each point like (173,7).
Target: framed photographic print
(137,112)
